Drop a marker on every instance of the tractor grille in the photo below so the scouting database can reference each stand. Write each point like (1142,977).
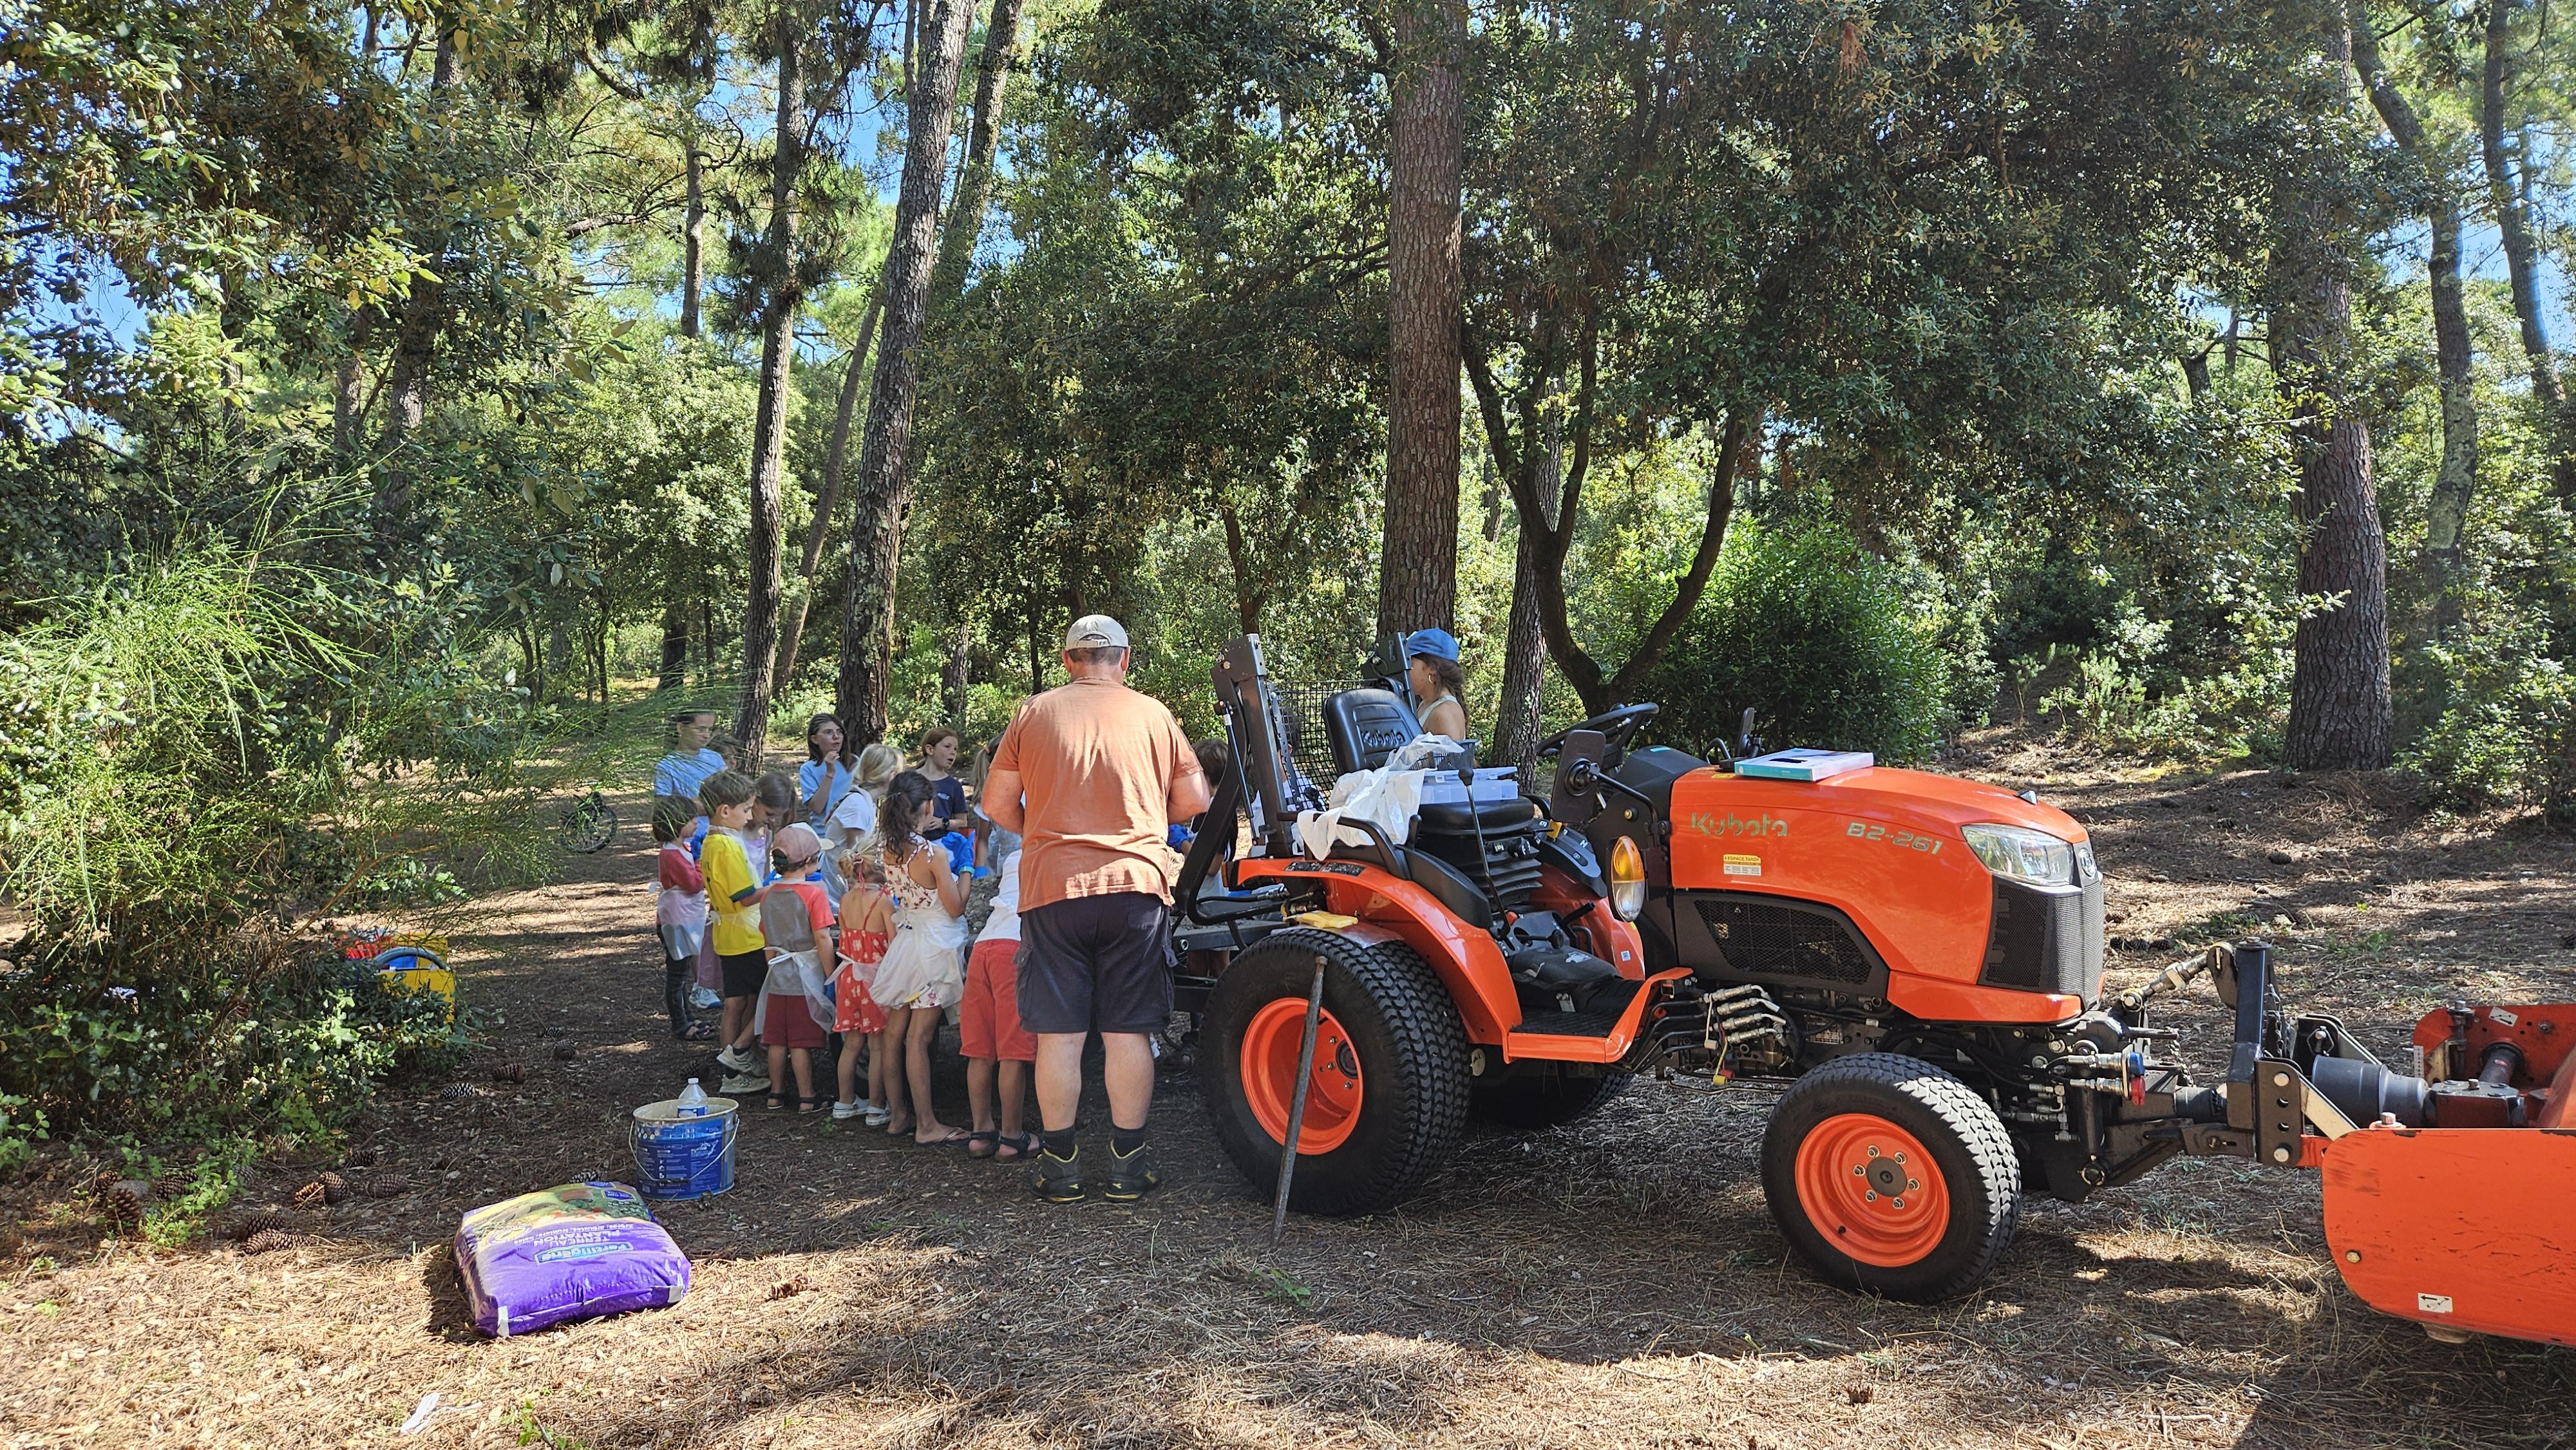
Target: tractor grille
(1783,939)
(2045,939)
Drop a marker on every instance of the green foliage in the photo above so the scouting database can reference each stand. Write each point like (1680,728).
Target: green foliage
(1827,645)
(2504,732)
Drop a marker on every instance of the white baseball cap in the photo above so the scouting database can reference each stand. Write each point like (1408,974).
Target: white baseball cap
(1095,631)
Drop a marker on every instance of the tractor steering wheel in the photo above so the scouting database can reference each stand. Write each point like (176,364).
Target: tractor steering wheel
(1615,727)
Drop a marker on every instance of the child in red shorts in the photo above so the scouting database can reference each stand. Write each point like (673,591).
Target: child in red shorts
(989,1030)
(796,925)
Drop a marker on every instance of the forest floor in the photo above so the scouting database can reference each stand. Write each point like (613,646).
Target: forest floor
(1616,1283)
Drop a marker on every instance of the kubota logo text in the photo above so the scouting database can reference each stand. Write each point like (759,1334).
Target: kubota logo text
(1731,824)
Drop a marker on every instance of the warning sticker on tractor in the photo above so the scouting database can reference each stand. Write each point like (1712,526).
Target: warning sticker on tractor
(2503,1016)
(1743,865)
(2433,1303)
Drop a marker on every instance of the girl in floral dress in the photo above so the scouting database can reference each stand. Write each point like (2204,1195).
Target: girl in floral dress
(923,971)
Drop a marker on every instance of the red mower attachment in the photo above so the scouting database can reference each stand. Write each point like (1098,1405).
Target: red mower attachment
(2468,1221)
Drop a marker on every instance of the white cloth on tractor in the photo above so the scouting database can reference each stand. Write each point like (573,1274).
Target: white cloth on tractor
(1387,798)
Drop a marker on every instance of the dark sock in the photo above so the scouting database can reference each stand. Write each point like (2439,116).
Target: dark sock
(1059,1141)
(1125,1141)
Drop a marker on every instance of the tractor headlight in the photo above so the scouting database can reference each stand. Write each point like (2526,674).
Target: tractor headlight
(2022,853)
(1627,880)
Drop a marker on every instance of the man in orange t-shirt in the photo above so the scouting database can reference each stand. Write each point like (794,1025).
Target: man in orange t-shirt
(1091,775)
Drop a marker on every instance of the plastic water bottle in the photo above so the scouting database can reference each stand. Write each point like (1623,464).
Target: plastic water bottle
(693,1101)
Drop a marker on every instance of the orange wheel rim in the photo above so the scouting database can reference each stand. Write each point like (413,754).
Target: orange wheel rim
(1872,1191)
(1270,1044)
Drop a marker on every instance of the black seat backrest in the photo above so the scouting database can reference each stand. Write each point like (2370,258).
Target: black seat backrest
(1366,726)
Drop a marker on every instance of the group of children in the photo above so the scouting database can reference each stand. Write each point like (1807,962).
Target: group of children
(835,905)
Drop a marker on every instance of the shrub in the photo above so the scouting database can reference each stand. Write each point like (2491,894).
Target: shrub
(1829,646)
(2129,691)
(2503,727)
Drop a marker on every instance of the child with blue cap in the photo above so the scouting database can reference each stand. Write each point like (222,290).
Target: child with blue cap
(1431,668)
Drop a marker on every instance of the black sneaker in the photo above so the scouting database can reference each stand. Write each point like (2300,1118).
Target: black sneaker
(1058,1180)
(1131,1175)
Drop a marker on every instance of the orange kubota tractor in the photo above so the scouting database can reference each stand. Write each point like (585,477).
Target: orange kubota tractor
(1922,954)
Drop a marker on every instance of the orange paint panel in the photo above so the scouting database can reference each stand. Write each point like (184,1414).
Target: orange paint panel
(1466,961)
(1547,1047)
(2461,1228)
(1937,1001)
(1882,845)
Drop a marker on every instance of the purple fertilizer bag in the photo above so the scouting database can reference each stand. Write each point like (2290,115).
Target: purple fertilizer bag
(574,1252)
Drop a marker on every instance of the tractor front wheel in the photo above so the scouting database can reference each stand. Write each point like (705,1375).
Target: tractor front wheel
(1891,1176)
(1388,1098)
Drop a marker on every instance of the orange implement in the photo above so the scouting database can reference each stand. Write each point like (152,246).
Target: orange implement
(2458,1228)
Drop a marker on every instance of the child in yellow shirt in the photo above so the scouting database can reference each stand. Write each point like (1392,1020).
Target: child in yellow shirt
(734,891)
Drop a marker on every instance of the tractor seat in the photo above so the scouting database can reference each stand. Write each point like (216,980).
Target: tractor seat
(1489,816)
(1366,726)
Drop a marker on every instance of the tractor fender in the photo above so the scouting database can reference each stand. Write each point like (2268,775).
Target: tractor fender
(1465,958)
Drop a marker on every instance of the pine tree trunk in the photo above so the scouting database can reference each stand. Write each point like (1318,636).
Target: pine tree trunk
(349,394)
(424,316)
(782,298)
(1418,579)
(880,496)
(2454,483)
(835,464)
(957,674)
(983,142)
(1516,718)
(2522,262)
(2341,716)
(675,643)
(693,241)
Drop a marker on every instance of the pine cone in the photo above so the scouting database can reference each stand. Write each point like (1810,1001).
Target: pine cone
(126,1200)
(388,1184)
(363,1156)
(458,1092)
(509,1072)
(335,1189)
(270,1240)
(310,1195)
(264,1221)
(173,1183)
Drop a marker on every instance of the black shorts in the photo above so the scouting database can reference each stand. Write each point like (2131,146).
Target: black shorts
(1096,964)
(744,971)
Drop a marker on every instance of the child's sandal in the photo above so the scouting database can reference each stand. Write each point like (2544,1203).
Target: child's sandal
(776,1102)
(983,1143)
(809,1104)
(1012,1150)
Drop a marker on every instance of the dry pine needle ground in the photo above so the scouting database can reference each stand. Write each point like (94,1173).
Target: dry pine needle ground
(1614,1284)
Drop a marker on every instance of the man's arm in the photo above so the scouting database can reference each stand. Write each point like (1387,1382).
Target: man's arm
(1189,794)
(1002,803)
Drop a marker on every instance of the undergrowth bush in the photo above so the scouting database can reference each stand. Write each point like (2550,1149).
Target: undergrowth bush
(2502,730)
(1828,645)
(2130,692)
(202,762)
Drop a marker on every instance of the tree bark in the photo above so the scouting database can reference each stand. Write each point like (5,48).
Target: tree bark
(983,143)
(349,394)
(955,675)
(1516,718)
(883,486)
(693,240)
(675,643)
(1251,589)
(782,298)
(835,462)
(1418,555)
(2341,715)
(2522,263)
(424,316)
(2454,483)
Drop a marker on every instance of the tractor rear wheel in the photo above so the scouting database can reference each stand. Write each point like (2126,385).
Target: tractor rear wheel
(1535,1101)
(1891,1176)
(1388,1098)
